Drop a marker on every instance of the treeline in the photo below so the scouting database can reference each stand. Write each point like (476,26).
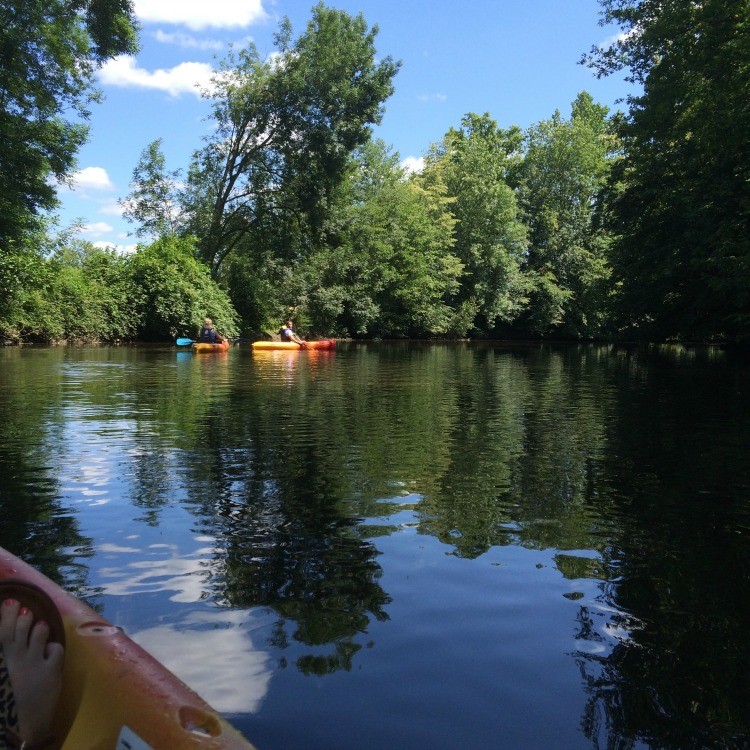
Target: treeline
(82,293)
(588,225)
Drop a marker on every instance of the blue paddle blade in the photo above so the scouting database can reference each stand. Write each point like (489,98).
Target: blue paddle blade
(184,342)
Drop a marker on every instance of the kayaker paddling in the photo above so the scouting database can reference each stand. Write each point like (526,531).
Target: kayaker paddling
(209,334)
(287,334)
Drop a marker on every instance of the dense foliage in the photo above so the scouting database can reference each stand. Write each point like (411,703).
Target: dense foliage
(682,210)
(387,267)
(285,128)
(589,226)
(563,173)
(476,161)
(49,50)
(81,292)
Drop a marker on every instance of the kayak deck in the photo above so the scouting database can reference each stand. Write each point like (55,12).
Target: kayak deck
(293,345)
(116,695)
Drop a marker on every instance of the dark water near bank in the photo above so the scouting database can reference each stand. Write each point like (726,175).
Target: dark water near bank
(406,546)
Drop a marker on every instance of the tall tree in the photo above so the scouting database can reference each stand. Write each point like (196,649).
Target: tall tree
(565,167)
(684,208)
(49,51)
(285,129)
(154,200)
(476,162)
(387,266)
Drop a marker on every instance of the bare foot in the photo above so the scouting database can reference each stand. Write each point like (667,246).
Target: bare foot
(34,667)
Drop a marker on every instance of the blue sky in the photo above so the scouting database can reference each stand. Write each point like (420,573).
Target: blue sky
(515,59)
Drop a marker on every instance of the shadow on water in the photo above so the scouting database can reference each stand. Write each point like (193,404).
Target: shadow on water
(628,470)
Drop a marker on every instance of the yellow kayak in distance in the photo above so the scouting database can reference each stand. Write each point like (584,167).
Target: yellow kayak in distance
(294,346)
(115,695)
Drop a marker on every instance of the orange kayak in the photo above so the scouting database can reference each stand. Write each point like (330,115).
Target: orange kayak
(116,695)
(292,345)
(201,347)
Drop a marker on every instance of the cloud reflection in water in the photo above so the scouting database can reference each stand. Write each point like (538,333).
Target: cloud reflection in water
(209,650)
(185,575)
(220,664)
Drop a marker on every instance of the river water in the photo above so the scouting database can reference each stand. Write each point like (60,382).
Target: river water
(400,545)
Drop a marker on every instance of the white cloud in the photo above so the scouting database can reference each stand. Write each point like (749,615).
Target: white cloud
(121,249)
(412,164)
(96,229)
(198,14)
(91,178)
(188,42)
(126,249)
(187,77)
(111,208)
(620,37)
(276,60)
(432,97)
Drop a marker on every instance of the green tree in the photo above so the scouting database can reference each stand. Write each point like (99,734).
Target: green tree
(174,291)
(76,291)
(154,200)
(89,291)
(21,272)
(49,50)
(387,268)
(258,286)
(683,209)
(565,167)
(285,128)
(476,162)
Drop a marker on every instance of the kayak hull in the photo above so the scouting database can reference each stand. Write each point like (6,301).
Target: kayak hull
(115,694)
(202,347)
(293,345)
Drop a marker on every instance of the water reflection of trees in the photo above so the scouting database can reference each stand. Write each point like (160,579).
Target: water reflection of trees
(528,451)
(678,469)
(633,466)
(272,489)
(608,454)
(498,446)
(35,524)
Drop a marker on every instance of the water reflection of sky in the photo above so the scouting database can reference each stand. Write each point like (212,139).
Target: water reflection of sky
(434,550)
(92,474)
(147,561)
(213,653)
(211,650)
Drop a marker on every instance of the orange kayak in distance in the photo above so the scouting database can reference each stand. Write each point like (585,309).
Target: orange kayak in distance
(201,347)
(115,694)
(293,345)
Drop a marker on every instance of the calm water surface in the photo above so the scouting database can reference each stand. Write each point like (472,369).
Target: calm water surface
(408,546)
